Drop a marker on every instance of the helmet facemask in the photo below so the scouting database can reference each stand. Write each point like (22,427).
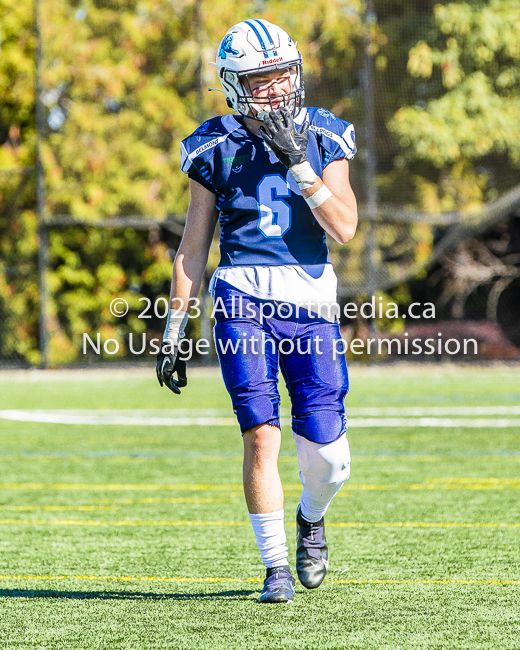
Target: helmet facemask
(258,107)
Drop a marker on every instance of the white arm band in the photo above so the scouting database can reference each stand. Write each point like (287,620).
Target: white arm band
(304,175)
(318,197)
(175,326)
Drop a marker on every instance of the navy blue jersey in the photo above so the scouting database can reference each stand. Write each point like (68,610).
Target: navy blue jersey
(263,217)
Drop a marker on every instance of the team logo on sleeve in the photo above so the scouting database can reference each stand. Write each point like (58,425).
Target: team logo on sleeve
(225,47)
(350,138)
(326,114)
(201,130)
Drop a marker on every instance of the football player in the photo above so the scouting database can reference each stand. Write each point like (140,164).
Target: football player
(276,176)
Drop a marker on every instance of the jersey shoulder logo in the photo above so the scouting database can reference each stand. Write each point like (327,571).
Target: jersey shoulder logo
(225,47)
(326,114)
(349,137)
(200,130)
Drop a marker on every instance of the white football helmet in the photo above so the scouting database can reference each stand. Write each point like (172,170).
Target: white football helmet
(255,46)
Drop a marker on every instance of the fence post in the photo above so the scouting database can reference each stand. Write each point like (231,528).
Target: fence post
(201,115)
(371,159)
(40,191)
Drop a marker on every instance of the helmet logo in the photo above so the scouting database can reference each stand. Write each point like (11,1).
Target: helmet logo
(270,61)
(225,47)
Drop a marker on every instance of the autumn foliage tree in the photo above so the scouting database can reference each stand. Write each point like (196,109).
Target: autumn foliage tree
(464,137)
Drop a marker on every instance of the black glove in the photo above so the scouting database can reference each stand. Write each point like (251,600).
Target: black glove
(280,134)
(169,363)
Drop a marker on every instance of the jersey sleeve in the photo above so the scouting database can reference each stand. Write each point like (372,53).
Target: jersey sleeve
(336,138)
(195,175)
(197,152)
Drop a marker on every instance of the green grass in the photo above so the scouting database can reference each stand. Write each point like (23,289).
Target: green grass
(94,552)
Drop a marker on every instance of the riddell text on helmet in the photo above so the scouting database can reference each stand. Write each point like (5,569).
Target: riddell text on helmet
(269,61)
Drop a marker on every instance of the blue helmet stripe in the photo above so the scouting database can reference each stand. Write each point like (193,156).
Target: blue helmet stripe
(257,33)
(267,33)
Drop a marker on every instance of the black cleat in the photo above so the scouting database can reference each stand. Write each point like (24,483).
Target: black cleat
(278,586)
(312,555)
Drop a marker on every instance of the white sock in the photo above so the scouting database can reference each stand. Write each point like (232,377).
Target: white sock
(270,537)
(323,470)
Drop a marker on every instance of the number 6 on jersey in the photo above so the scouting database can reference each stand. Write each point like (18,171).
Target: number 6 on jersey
(275,213)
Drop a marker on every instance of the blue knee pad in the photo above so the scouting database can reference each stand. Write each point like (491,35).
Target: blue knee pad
(262,409)
(321,427)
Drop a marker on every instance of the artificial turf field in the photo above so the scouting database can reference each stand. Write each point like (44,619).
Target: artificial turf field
(115,535)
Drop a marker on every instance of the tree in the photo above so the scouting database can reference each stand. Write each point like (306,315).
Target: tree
(464,137)
(18,232)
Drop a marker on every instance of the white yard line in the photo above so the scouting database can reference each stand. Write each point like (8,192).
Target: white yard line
(421,411)
(210,417)
(483,423)
(109,417)
(363,411)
